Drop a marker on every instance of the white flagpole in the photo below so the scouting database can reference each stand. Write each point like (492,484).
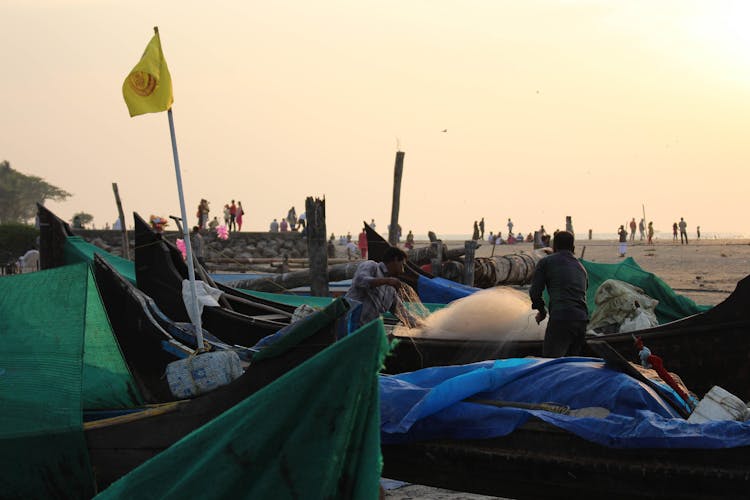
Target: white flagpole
(186,232)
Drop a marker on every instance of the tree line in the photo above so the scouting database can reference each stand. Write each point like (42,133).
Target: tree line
(19,194)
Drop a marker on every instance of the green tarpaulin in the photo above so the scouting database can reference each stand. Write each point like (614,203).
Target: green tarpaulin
(314,433)
(671,305)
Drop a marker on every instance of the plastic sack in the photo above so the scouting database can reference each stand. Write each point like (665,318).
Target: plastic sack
(618,302)
(640,322)
(199,374)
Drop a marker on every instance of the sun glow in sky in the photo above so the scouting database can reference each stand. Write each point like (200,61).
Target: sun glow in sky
(552,108)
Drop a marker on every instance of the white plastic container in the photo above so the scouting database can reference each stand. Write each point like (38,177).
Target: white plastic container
(719,404)
(205,372)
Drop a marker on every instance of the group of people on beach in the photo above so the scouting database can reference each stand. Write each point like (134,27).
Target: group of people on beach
(232,213)
(647,233)
(498,239)
(289,223)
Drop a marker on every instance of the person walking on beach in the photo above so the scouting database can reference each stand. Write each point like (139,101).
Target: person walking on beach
(240,213)
(226,215)
(623,234)
(674,232)
(202,214)
(362,244)
(650,233)
(642,229)
(475,234)
(409,240)
(232,217)
(698,230)
(632,229)
(481,229)
(683,232)
(566,282)
(291,218)
(199,249)
(510,226)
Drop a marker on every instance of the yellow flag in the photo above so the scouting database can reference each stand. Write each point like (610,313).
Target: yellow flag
(148,87)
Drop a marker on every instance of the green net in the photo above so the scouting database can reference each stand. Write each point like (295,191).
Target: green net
(298,300)
(107,381)
(300,330)
(314,433)
(42,328)
(79,250)
(671,305)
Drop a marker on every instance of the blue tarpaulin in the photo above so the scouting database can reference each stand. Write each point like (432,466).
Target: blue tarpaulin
(429,404)
(441,290)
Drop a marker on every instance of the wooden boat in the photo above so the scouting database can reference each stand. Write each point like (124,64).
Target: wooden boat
(706,349)
(160,271)
(541,461)
(148,339)
(119,444)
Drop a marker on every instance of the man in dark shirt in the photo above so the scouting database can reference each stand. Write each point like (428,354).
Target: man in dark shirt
(566,282)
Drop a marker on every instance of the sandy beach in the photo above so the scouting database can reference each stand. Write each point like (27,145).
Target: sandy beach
(706,271)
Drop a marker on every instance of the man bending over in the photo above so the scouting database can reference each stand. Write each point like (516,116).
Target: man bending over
(375,285)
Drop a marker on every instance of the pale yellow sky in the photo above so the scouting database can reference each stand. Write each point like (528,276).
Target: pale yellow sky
(579,108)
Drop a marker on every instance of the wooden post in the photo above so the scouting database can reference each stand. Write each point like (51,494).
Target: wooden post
(315,210)
(437,262)
(125,244)
(470,246)
(397,172)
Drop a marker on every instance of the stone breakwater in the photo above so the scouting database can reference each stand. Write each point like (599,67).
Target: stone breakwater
(240,246)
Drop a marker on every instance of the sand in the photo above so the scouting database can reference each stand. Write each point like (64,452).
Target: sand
(706,271)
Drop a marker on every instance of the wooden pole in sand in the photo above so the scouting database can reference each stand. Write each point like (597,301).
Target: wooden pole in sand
(125,244)
(397,173)
(437,262)
(317,249)
(470,246)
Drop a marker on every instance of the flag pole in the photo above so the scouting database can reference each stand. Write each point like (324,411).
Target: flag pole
(188,246)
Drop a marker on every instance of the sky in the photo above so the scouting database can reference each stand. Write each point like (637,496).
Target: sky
(530,110)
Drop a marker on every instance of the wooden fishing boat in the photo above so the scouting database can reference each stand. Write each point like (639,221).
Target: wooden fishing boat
(160,271)
(119,444)
(542,461)
(148,339)
(706,349)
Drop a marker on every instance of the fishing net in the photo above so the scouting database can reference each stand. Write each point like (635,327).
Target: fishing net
(671,305)
(77,249)
(313,433)
(43,322)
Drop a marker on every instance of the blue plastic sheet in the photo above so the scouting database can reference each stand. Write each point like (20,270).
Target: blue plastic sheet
(430,404)
(441,290)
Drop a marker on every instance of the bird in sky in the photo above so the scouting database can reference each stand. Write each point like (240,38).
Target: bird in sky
(444,130)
